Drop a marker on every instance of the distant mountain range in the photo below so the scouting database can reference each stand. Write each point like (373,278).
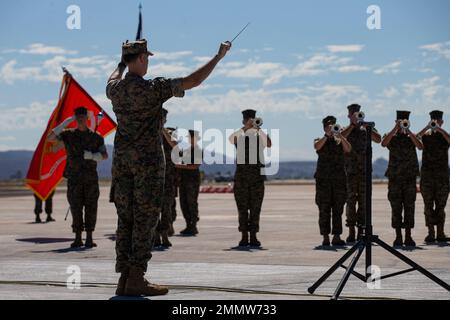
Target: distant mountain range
(14,165)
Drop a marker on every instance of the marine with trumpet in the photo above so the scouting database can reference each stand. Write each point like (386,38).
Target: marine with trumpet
(249,178)
(161,237)
(330,180)
(355,133)
(434,182)
(402,172)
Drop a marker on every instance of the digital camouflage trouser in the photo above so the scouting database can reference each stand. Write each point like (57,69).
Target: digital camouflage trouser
(138,191)
(356,190)
(434,189)
(189,191)
(249,196)
(82,194)
(174,209)
(331,195)
(167,214)
(402,196)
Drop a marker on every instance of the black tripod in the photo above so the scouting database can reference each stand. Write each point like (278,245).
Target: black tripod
(367,239)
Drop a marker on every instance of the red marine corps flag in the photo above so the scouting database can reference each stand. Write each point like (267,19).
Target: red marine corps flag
(47,165)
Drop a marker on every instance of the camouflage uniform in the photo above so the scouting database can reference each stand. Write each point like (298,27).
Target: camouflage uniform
(82,178)
(138,163)
(249,183)
(169,190)
(402,171)
(176,192)
(434,182)
(190,187)
(331,190)
(356,178)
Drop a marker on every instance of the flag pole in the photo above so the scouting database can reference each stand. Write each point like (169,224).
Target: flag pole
(139,30)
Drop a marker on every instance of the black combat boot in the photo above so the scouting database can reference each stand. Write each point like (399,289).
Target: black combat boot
(244,240)
(191,230)
(431,237)
(77,243)
(186,231)
(156,239)
(253,240)
(194,229)
(326,240)
(89,242)
(171,230)
(337,241)
(409,242)
(440,235)
(351,235)
(49,218)
(398,242)
(165,239)
(38,219)
(360,233)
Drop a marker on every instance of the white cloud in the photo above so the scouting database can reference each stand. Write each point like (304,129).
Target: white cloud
(168,70)
(7,139)
(345,48)
(418,97)
(425,70)
(352,68)
(427,88)
(390,92)
(319,64)
(42,49)
(389,68)
(201,59)
(312,101)
(9,73)
(170,55)
(271,72)
(231,64)
(207,86)
(440,48)
(50,70)
(33,116)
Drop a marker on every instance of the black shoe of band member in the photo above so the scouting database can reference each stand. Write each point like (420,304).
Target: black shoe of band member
(254,242)
(337,241)
(244,241)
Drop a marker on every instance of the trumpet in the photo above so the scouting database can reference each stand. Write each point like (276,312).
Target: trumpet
(257,123)
(336,129)
(100,117)
(405,124)
(172,132)
(433,125)
(360,116)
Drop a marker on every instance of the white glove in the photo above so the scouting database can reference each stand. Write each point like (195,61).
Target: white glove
(58,129)
(97,157)
(88,155)
(93,156)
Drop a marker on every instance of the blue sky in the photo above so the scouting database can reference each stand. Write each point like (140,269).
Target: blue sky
(297,62)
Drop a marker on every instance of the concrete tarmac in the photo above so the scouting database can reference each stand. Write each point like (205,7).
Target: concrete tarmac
(35,258)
